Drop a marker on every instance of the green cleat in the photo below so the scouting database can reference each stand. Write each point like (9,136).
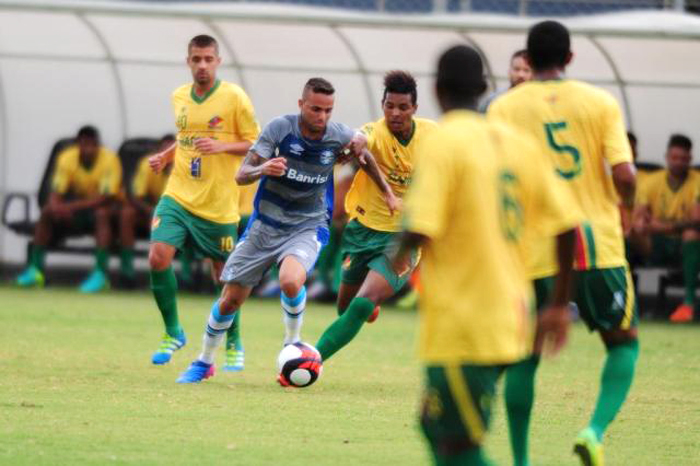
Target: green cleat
(235,360)
(589,448)
(95,282)
(31,276)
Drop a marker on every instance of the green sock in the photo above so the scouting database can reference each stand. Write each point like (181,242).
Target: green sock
(38,253)
(101,259)
(164,286)
(690,251)
(345,327)
(615,383)
(127,262)
(233,334)
(186,259)
(520,396)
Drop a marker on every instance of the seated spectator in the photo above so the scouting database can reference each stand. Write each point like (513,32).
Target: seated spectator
(86,178)
(519,71)
(136,211)
(666,219)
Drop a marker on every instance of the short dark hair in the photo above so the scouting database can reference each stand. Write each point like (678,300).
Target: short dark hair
(201,41)
(522,53)
(400,82)
(631,136)
(168,137)
(89,132)
(680,140)
(548,45)
(460,75)
(319,86)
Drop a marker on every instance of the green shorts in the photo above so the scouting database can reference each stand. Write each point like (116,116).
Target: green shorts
(172,224)
(606,299)
(364,249)
(457,406)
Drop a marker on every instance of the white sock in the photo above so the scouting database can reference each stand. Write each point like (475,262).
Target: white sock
(293,315)
(214,334)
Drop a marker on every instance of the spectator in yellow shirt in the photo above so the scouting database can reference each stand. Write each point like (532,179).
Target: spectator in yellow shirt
(86,178)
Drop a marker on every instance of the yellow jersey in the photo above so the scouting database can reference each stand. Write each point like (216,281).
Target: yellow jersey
(580,127)
(665,203)
(246,198)
(365,201)
(148,184)
(477,193)
(103,177)
(205,185)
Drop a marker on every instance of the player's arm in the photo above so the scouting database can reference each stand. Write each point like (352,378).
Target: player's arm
(370,166)
(408,242)
(159,161)
(212,146)
(255,166)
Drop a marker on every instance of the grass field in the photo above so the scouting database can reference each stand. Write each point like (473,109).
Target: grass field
(77,387)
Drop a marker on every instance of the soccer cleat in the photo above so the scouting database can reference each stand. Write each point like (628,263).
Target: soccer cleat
(235,360)
(682,314)
(31,276)
(95,282)
(589,448)
(197,372)
(373,316)
(167,347)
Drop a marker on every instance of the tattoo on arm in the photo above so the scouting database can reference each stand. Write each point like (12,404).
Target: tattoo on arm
(251,170)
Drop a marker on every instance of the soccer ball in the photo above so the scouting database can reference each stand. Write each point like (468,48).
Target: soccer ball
(299,364)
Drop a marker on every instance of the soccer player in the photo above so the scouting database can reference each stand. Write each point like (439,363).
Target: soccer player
(479,194)
(668,211)
(581,128)
(216,124)
(368,279)
(87,177)
(293,159)
(519,72)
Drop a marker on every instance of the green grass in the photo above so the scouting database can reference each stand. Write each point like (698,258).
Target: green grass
(77,387)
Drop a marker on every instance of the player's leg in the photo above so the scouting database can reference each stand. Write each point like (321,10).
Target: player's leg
(98,279)
(33,274)
(220,319)
(292,276)
(456,412)
(607,303)
(520,388)
(168,233)
(346,293)
(690,259)
(128,216)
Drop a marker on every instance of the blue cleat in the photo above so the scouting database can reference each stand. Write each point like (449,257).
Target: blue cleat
(31,276)
(95,282)
(167,347)
(197,372)
(235,360)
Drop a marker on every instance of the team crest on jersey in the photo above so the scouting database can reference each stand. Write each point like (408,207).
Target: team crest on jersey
(215,122)
(296,149)
(181,121)
(155,223)
(326,157)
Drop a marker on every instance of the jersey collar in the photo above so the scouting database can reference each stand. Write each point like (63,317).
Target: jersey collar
(199,99)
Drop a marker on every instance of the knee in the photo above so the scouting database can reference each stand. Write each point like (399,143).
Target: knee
(158,258)
(102,215)
(127,214)
(231,299)
(290,287)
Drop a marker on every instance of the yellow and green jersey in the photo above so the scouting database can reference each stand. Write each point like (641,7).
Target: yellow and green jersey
(580,127)
(148,184)
(665,203)
(205,184)
(103,177)
(365,201)
(479,194)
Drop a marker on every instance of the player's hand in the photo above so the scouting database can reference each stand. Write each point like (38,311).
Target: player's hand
(157,162)
(392,202)
(552,329)
(274,167)
(358,144)
(208,145)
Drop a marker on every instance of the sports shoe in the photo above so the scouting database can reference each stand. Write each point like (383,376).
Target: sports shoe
(682,314)
(31,276)
(373,316)
(167,347)
(95,282)
(589,448)
(235,360)
(197,372)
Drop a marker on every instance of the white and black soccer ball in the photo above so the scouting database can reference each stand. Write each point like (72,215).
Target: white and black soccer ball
(299,364)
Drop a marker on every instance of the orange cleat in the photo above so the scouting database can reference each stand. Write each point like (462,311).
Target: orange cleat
(683,313)
(373,316)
